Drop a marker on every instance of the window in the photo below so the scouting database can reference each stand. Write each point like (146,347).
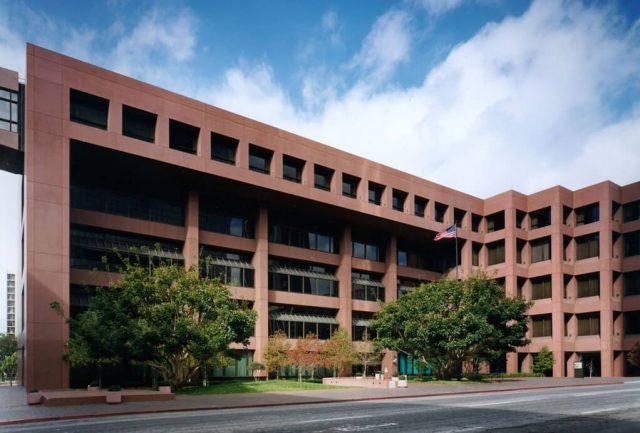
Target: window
(225,221)
(375,193)
(322,177)
(588,285)
(230,267)
(540,218)
(292,168)
(367,250)
(260,159)
(350,185)
(399,197)
(587,246)
(8,110)
(541,287)
(496,252)
(566,243)
(475,222)
(366,286)
(403,258)
(139,124)
(588,324)
(631,244)
(88,109)
(541,325)
(440,210)
(224,148)
(631,283)
(458,216)
(302,277)
(632,323)
(541,249)
(311,238)
(521,281)
(360,326)
(475,253)
(631,211)
(520,218)
(183,137)
(406,285)
(419,206)
(521,244)
(298,321)
(495,222)
(566,213)
(588,214)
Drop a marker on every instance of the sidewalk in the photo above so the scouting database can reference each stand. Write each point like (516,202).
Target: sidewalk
(14,410)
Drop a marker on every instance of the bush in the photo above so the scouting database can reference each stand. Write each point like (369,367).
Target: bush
(543,362)
(474,377)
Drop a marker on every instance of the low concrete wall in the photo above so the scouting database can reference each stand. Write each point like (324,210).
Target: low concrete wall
(359,382)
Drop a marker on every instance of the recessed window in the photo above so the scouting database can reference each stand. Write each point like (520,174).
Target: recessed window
(88,109)
(322,177)
(520,246)
(540,218)
(475,254)
(183,137)
(138,123)
(440,210)
(588,214)
(520,218)
(375,193)
(541,249)
(8,110)
(367,287)
(368,250)
(588,324)
(475,222)
(224,148)
(458,216)
(496,252)
(631,283)
(588,285)
(260,159)
(632,323)
(403,258)
(631,211)
(541,287)
(631,244)
(419,206)
(588,246)
(566,213)
(399,197)
(292,168)
(495,222)
(541,325)
(350,185)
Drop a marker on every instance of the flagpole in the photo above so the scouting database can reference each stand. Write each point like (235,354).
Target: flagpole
(456,251)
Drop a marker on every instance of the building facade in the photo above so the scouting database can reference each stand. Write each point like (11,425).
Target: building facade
(311,236)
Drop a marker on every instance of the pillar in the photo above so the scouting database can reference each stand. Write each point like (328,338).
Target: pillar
(261,283)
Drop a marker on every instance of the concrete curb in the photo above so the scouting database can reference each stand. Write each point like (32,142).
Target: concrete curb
(290,403)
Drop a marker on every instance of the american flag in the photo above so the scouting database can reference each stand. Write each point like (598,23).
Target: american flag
(448,233)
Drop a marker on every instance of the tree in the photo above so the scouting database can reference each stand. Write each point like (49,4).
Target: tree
(276,354)
(367,352)
(9,366)
(305,355)
(257,366)
(634,355)
(163,316)
(543,362)
(451,321)
(338,352)
(8,355)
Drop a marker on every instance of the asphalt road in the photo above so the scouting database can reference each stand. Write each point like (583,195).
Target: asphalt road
(612,408)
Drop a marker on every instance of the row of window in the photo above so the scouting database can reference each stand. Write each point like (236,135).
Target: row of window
(588,324)
(9,113)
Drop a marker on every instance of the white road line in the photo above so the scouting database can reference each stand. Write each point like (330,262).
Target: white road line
(461,430)
(611,409)
(612,391)
(364,427)
(342,418)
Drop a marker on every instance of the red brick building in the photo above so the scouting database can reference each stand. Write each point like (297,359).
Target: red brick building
(312,236)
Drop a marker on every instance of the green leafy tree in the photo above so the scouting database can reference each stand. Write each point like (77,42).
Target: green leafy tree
(338,352)
(448,322)
(8,345)
(543,362)
(257,367)
(276,354)
(634,355)
(367,353)
(9,366)
(163,316)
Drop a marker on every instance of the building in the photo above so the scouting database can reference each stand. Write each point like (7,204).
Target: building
(11,304)
(312,236)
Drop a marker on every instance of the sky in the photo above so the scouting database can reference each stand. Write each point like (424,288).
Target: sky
(482,96)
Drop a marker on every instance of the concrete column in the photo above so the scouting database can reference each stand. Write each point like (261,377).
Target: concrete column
(606,288)
(261,282)
(510,251)
(557,289)
(466,258)
(390,281)
(344,276)
(191,250)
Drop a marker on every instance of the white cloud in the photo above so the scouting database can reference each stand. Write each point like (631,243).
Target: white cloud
(439,7)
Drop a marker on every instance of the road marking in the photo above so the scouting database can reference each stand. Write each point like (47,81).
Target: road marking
(497,403)
(591,412)
(342,418)
(592,393)
(461,430)
(364,427)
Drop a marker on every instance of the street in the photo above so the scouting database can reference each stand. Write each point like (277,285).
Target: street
(611,408)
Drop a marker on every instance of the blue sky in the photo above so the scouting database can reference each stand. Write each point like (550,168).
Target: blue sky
(480,95)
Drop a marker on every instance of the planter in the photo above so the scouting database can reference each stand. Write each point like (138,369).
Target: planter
(114,397)
(403,383)
(164,389)
(34,398)
(93,388)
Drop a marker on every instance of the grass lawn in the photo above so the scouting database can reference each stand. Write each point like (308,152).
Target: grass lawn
(238,386)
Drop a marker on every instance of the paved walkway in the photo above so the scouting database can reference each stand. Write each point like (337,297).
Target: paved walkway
(13,407)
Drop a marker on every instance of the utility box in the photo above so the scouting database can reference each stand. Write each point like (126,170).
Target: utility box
(578,371)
